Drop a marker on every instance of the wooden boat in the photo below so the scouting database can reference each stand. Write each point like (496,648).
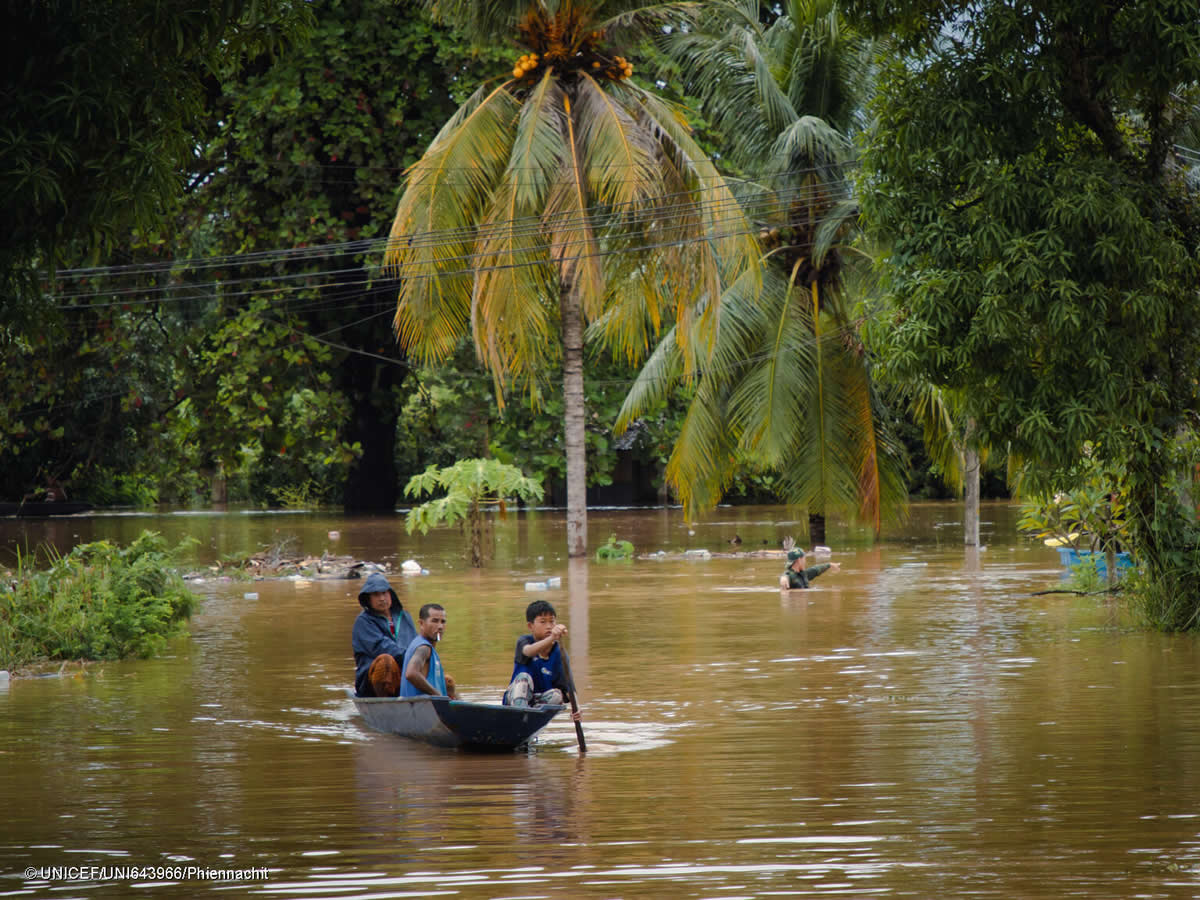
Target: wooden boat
(454,723)
(32,509)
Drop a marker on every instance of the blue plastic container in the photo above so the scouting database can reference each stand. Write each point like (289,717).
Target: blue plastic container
(1069,557)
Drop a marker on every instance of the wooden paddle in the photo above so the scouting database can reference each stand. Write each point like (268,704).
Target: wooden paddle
(574,705)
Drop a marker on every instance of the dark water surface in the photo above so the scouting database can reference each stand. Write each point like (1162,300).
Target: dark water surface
(917,725)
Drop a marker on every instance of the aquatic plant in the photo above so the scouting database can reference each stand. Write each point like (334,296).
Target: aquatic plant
(614,549)
(297,496)
(98,601)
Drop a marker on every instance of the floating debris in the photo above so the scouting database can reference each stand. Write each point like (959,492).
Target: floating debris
(271,565)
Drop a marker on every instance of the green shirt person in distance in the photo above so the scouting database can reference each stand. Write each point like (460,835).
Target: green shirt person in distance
(797,576)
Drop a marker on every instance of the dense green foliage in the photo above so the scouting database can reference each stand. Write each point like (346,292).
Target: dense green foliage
(298,376)
(451,414)
(97,602)
(102,103)
(1044,237)
(235,166)
(105,105)
(1090,515)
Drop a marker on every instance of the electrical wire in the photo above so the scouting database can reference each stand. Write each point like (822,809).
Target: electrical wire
(278,282)
(531,224)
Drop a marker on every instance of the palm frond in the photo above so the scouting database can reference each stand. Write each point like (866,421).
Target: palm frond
(728,248)
(700,467)
(620,156)
(771,398)
(482,21)
(432,236)
(777,108)
(806,142)
(511,319)
(835,224)
(567,220)
(939,415)
(654,382)
(628,20)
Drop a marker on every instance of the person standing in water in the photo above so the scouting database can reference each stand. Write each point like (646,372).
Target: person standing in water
(796,576)
(423,672)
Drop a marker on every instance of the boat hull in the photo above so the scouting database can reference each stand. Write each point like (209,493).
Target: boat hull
(454,723)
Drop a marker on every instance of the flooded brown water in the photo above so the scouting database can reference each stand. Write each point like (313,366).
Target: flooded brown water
(917,725)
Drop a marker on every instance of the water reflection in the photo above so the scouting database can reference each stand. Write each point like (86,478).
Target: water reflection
(916,725)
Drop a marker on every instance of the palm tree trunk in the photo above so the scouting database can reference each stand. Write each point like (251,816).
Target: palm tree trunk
(816,528)
(816,515)
(571,311)
(971,489)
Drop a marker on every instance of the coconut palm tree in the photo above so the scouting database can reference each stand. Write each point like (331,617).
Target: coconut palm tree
(788,379)
(559,195)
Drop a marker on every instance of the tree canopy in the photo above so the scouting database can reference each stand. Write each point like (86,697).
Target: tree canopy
(564,196)
(786,380)
(105,107)
(102,103)
(1043,229)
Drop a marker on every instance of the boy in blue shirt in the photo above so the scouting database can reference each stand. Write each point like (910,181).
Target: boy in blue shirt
(538,677)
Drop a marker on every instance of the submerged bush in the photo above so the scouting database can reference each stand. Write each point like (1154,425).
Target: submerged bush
(614,549)
(97,602)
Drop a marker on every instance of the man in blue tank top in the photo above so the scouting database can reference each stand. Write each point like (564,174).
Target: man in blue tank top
(423,673)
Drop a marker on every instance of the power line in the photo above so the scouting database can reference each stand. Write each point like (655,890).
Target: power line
(364,275)
(527,225)
(677,377)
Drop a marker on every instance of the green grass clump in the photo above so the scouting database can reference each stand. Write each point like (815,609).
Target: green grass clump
(97,602)
(614,549)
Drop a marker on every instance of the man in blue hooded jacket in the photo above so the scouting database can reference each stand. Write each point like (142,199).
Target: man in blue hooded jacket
(382,632)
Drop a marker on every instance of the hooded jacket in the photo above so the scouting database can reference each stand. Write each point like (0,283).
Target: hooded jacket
(372,634)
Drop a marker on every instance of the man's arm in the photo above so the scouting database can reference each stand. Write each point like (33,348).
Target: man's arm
(418,668)
(371,640)
(819,569)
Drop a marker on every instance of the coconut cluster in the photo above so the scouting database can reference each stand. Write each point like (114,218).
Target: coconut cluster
(525,65)
(567,52)
(771,237)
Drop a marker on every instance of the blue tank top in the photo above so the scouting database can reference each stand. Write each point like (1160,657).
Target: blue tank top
(436,676)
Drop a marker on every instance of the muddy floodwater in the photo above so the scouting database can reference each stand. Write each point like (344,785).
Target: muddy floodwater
(918,724)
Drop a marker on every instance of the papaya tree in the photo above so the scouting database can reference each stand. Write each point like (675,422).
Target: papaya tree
(471,486)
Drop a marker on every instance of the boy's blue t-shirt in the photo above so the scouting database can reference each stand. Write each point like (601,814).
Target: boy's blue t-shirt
(546,673)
